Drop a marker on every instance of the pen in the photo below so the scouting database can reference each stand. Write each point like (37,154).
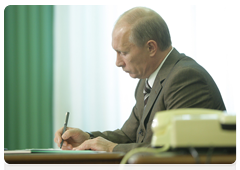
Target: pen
(65,127)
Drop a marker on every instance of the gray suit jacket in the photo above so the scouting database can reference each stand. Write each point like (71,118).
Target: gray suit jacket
(180,83)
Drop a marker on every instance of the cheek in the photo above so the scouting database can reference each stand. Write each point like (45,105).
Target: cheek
(138,61)
(133,64)
(135,61)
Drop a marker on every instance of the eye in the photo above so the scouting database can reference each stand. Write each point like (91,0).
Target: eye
(123,53)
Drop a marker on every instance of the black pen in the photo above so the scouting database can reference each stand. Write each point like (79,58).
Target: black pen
(65,127)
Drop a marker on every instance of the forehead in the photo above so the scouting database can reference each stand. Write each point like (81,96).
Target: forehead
(120,37)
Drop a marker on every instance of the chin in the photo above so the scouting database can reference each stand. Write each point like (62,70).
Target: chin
(133,76)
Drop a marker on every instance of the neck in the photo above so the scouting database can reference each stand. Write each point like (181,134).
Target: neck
(158,59)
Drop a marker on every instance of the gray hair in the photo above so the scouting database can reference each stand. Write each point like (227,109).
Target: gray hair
(146,25)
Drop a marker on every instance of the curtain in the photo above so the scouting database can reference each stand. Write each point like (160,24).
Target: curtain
(99,95)
(86,81)
(28,75)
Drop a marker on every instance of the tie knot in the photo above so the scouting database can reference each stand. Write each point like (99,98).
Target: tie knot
(147,88)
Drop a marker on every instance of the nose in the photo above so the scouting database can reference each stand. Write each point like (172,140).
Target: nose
(119,61)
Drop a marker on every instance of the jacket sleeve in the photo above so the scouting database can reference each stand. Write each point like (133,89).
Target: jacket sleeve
(126,136)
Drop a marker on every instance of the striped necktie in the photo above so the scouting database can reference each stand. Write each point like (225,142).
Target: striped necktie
(146,92)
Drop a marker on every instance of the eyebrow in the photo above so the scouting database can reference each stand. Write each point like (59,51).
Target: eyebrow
(126,47)
(118,50)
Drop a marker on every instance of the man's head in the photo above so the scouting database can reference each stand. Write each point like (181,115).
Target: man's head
(140,38)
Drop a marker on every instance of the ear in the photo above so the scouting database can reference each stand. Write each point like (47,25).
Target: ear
(152,47)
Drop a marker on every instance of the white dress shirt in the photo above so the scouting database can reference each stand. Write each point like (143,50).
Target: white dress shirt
(152,77)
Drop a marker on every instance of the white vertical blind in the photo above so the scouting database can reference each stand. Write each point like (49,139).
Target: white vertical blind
(99,95)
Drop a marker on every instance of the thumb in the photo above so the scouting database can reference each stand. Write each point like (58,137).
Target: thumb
(67,134)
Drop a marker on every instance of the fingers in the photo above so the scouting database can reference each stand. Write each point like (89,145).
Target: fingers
(58,136)
(69,133)
(66,146)
(97,144)
(72,137)
(86,145)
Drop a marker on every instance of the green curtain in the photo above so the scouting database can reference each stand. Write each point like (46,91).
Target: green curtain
(28,76)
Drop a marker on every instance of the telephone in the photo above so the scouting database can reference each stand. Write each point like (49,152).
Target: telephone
(192,127)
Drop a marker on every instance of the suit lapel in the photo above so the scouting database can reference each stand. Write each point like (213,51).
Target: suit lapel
(172,59)
(153,96)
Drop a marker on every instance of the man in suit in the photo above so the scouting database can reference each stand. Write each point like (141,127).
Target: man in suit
(142,41)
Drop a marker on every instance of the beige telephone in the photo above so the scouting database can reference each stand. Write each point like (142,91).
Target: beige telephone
(183,128)
(190,128)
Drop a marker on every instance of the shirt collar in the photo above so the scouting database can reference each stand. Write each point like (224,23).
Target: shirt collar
(152,77)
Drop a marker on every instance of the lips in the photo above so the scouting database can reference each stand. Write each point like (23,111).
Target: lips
(125,70)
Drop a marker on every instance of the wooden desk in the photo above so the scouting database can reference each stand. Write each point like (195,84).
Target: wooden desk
(172,158)
(55,158)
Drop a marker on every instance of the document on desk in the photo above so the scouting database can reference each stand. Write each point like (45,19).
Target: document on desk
(51,150)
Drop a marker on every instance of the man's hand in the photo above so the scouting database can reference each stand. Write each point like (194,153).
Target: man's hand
(72,137)
(97,144)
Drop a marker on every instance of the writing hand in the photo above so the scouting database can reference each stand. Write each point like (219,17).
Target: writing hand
(72,137)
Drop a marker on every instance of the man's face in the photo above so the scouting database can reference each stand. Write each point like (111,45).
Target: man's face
(132,59)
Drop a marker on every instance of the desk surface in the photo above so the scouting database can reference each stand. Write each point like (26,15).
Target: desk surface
(173,158)
(55,158)
(115,158)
